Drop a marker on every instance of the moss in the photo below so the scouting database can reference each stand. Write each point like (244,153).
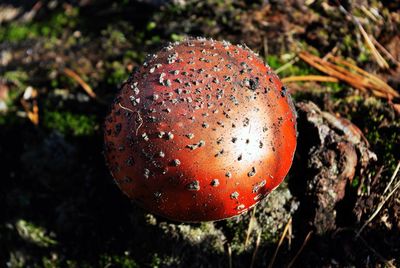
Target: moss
(114,37)
(205,234)
(151,25)
(53,27)
(9,119)
(177,37)
(15,32)
(70,124)
(271,216)
(158,261)
(364,56)
(18,77)
(154,40)
(236,231)
(16,260)
(355,182)
(297,69)
(117,73)
(123,261)
(378,123)
(348,41)
(48,262)
(273,61)
(132,55)
(34,234)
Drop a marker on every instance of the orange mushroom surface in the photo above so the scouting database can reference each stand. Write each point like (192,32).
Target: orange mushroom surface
(202,131)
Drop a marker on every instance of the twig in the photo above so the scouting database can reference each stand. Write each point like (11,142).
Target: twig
(392,178)
(280,243)
(253,258)
(381,204)
(70,73)
(301,249)
(318,78)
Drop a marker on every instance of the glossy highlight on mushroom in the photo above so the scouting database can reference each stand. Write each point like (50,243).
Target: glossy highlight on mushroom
(202,131)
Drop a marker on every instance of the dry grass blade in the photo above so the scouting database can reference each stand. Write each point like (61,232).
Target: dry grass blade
(370,14)
(280,243)
(317,78)
(378,57)
(73,75)
(253,258)
(249,228)
(381,204)
(385,51)
(396,171)
(286,65)
(301,249)
(229,255)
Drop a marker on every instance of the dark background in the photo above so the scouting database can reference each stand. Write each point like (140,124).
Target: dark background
(59,206)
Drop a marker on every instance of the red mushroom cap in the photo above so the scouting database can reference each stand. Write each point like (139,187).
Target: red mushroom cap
(202,131)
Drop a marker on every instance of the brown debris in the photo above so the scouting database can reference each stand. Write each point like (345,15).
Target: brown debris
(29,102)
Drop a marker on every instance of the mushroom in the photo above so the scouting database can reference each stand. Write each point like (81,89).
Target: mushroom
(202,131)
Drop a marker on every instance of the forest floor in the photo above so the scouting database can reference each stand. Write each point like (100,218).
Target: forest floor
(62,63)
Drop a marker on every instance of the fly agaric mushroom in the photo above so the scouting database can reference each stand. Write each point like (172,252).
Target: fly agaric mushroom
(202,131)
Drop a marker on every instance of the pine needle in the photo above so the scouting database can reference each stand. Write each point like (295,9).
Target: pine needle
(396,171)
(253,257)
(378,57)
(73,75)
(302,78)
(375,53)
(351,74)
(280,242)
(301,249)
(250,227)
